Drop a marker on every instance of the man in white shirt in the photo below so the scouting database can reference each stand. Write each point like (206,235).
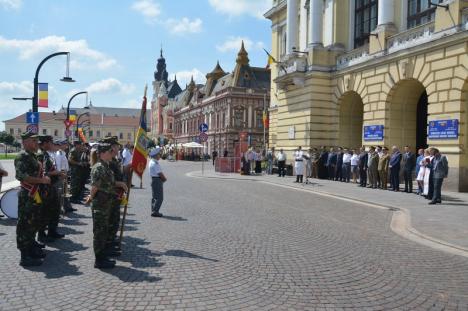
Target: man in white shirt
(346,165)
(281,157)
(2,173)
(127,155)
(61,163)
(157,180)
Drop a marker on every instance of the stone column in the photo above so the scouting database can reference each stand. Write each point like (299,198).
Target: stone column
(315,23)
(291,25)
(303,26)
(385,13)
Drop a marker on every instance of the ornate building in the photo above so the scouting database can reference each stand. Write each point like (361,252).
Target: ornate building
(230,103)
(375,72)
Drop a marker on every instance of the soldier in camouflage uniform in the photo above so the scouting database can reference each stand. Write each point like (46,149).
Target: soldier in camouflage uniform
(28,172)
(103,191)
(114,218)
(50,212)
(77,169)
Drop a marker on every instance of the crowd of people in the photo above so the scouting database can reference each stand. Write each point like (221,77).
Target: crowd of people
(374,167)
(45,167)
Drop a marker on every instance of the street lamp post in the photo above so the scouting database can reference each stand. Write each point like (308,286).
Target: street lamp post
(78,120)
(36,77)
(70,100)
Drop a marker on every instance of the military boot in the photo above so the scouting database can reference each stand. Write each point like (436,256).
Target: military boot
(102,262)
(43,237)
(37,244)
(54,234)
(28,261)
(37,253)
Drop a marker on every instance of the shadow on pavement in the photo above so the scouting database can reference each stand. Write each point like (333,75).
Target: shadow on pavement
(134,252)
(67,246)
(7,222)
(57,265)
(181,253)
(72,222)
(130,275)
(175,218)
(68,230)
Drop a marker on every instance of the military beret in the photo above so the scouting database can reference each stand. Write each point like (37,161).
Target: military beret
(103,147)
(28,134)
(45,139)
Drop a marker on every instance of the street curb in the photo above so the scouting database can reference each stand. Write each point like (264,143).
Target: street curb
(400,223)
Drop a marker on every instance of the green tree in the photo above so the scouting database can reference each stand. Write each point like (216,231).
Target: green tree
(6,138)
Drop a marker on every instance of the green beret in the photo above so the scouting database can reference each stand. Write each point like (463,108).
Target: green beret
(28,134)
(45,139)
(103,147)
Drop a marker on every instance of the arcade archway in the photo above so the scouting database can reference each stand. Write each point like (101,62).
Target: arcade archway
(408,115)
(351,116)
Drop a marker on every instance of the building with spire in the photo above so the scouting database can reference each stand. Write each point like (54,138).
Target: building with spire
(232,104)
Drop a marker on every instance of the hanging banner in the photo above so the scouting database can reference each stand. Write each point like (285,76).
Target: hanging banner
(43,95)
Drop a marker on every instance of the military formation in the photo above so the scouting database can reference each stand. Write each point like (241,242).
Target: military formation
(42,198)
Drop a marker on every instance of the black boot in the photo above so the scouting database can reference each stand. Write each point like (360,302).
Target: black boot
(114,245)
(110,252)
(28,261)
(102,262)
(37,253)
(37,244)
(43,237)
(54,234)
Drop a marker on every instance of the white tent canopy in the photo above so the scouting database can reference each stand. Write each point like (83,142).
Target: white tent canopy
(192,145)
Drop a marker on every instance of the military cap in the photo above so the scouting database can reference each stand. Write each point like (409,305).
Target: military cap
(113,140)
(45,139)
(103,147)
(28,134)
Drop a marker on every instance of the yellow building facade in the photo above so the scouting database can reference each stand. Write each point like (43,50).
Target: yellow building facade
(372,72)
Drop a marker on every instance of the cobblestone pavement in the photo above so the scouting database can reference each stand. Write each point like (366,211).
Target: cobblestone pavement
(237,245)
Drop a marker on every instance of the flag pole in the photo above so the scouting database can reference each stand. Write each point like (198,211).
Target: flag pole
(129,185)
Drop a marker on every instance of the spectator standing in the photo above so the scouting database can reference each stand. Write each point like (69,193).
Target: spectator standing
(408,168)
(354,165)
(322,164)
(372,168)
(339,165)
(331,164)
(315,156)
(270,157)
(258,162)
(428,181)
(394,165)
(346,171)
(363,157)
(440,168)
(226,153)
(419,160)
(308,160)
(379,151)
(281,157)
(214,155)
(384,160)
(2,173)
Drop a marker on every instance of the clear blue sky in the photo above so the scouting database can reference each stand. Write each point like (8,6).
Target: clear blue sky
(114,45)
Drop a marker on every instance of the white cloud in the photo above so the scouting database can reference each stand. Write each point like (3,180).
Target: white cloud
(255,8)
(11,4)
(149,9)
(184,25)
(18,89)
(184,76)
(82,56)
(234,43)
(110,85)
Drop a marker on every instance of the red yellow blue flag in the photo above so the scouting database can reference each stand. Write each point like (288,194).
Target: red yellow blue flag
(43,95)
(140,153)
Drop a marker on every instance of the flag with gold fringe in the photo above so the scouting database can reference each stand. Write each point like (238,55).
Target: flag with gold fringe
(140,152)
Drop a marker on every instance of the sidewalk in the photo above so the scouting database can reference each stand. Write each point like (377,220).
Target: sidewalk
(447,222)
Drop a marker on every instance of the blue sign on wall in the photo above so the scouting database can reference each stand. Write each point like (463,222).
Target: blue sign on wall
(373,132)
(443,129)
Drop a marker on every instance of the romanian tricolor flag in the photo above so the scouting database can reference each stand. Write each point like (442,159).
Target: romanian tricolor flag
(81,135)
(43,95)
(72,117)
(266,121)
(271,59)
(141,141)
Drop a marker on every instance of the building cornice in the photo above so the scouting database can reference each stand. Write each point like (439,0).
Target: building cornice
(274,10)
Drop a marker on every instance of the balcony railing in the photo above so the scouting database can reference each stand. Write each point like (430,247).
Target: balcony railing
(292,63)
(411,37)
(353,57)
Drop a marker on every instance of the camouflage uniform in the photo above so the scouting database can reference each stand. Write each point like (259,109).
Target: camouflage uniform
(50,212)
(76,172)
(102,178)
(26,164)
(114,217)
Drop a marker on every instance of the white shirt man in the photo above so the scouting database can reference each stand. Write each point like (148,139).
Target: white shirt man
(61,161)
(346,157)
(299,164)
(126,156)
(281,156)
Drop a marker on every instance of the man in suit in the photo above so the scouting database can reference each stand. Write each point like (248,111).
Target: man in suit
(372,168)
(331,164)
(394,165)
(408,168)
(339,165)
(439,168)
(322,164)
(384,159)
(362,164)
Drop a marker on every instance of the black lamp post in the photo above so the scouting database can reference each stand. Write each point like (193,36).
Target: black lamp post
(78,120)
(70,100)
(36,77)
